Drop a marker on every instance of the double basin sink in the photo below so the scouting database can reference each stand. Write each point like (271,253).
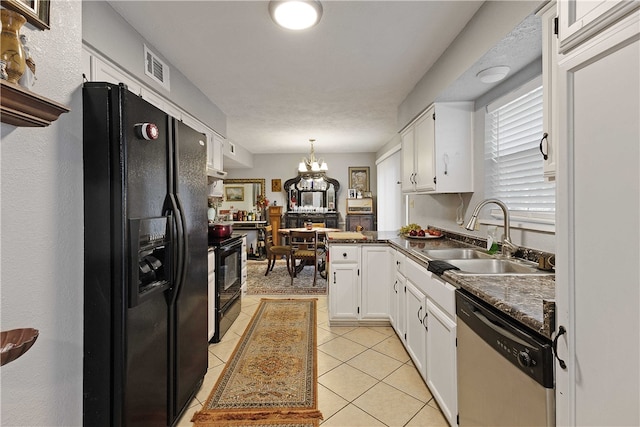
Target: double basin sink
(476,262)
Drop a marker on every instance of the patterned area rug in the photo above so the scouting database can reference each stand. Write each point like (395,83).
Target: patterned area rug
(271,378)
(278,281)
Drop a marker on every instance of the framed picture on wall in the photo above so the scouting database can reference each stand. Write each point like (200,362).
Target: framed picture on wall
(36,12)
(276,185)
(234,194)
(359,178)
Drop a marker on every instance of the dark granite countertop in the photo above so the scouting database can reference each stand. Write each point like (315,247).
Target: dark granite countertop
(528,299)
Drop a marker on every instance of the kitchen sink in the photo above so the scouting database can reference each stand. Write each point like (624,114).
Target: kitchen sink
(495,267)
(455,253)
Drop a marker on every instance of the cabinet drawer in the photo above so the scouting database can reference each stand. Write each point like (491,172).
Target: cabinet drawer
(442,293)
(339,254)
(418,274)
(401,261)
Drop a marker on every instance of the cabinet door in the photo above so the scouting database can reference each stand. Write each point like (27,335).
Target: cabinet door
(376,277)
(215,156)
(368,222)
(549,75)
(398,297)
(452,154)
(441,360)
(343,291)
(583,19)
(408,161)
(393,302)
(424,151)
(365,221)
(598,178)
(416,332)
(104,72)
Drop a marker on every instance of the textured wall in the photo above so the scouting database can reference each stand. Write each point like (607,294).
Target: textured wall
(42,240)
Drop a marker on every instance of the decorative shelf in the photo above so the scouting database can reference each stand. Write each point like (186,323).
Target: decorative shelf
(20,107)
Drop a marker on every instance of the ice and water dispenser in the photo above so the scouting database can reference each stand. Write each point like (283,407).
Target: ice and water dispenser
(151,254)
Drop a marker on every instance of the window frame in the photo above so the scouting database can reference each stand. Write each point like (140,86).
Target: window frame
(536,221)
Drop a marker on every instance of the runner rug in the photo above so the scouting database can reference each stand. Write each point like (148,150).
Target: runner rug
(271,377)
(278,281)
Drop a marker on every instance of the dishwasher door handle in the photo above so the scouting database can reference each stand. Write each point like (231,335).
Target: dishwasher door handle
(499,328)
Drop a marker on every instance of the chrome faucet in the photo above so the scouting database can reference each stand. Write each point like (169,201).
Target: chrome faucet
(508,248)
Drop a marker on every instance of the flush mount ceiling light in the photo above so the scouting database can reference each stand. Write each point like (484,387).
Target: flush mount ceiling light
(312,167)
(493,74)
(295,14)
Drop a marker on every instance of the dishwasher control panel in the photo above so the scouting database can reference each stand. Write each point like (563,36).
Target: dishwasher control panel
(532,355)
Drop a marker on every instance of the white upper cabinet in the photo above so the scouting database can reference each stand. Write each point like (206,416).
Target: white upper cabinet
(548,16)
(408,161)
(582,19)
(102,71)
(215,147)
(437,150)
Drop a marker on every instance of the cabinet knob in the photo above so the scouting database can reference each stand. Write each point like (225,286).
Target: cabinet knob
(344,255)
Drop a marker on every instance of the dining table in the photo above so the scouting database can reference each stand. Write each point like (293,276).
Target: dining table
(321,233)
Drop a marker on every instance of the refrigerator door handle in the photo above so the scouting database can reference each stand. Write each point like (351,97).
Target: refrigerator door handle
(183,254)
(180,245)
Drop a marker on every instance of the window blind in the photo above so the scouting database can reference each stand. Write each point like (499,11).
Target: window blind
(513,163)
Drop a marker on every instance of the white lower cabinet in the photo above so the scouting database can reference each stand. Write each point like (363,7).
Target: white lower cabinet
(415,333)
(359,278)
(397,296)
(344,292)
(424,317)
(441,360)
(376,276)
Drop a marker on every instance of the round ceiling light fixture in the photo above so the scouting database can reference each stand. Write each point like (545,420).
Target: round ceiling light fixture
(493,74)
(295,14)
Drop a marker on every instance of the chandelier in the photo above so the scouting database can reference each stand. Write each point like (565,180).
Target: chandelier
(312,167)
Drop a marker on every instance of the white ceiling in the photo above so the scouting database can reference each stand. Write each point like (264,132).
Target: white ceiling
(339,82)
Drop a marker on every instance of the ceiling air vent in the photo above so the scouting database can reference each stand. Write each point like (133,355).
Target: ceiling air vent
(155,68)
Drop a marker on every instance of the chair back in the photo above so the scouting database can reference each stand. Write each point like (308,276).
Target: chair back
(268,237)
(304,243)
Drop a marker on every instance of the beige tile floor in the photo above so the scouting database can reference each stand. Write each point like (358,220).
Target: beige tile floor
(365,377)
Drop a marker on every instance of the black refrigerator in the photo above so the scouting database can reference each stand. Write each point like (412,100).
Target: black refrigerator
(145,262)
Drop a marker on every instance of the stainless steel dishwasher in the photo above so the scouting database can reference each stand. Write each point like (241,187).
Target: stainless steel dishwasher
(505,373)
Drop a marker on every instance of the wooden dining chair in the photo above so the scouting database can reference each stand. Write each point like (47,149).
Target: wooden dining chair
(322,248)
(275,252)
(304,247)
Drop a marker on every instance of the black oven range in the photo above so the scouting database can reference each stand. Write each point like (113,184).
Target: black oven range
(228,261)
